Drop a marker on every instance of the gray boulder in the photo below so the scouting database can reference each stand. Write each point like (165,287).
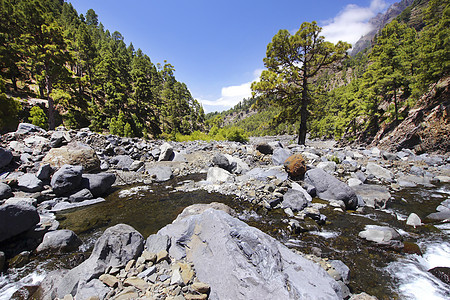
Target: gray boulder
(264,148)
(118,245)
(160,173)
(216,174)
(295,200)
(379,234)
(223,162)
(5,157)
(329,187)
(59,138)
(279,156)
(166,152)
(63,205)
(157,242)
(98,183)
(44,171)
(59,241)
(29,183)
(241,262)
(375,196)
(5,191)
(81,195)
(122,162)
(379,172)
(66,179)
(327,166)
(16,218)
(25,128)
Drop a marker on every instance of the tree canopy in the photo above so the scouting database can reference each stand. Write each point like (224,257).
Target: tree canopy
(292,61)
(88,75)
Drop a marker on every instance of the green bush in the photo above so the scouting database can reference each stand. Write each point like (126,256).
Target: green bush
(38,117)
(236,134)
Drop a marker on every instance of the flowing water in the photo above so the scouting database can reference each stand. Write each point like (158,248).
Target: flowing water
(382,272)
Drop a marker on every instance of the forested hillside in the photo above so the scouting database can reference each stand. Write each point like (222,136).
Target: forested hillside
(372,92)
(88,75)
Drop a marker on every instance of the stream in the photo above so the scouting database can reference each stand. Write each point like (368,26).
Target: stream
(384,273)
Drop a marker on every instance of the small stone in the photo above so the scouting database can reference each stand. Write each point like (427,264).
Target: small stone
(137,283)
(140,261)
(148,256)
(413,220)
(127,293)
(187,273)
(68,297)
(129,265)
(162,255)
(200,287)
(176,278)
(109,280)
(195,297)
(147,272)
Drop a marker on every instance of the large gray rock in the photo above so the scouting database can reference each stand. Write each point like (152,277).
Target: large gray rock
(379,234)
(279,156)
(66,179)
(166,152)
(81,195)
(78,154)
(329,187)
(238,165)
(16,218)
(122,162)
(379,172)
(44,171)
(98,183)
(160,173)
(295,200)
(242,262)
(216,174)
(156,243)
(25,128)
(5,157)
(63,205)
(118,245)
(327,166)
(375,196)
(5,191)
(29,183)
(264,148)
(59,138)
(59,241)
(221,161)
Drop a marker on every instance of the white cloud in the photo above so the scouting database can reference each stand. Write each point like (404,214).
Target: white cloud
(230,95)
(352,22)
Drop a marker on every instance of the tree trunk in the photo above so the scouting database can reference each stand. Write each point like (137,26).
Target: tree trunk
(51,107)
(14,82)
(395,106)
(303,113)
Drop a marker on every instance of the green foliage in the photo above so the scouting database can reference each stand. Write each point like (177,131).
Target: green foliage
(38,117)
(89,75)
(230,133)
(234,134)
(9,110)
(127,131)
(292,61)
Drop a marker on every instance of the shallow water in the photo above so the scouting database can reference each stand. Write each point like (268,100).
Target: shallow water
(384,273)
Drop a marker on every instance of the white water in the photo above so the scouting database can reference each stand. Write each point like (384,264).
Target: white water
(9,284)
(413,279)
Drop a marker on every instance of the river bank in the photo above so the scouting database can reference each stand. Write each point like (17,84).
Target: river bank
(309,211)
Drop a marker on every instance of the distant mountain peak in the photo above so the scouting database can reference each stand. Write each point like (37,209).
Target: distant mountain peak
(378,22)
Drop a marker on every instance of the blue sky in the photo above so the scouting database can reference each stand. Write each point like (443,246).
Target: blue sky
(217,47)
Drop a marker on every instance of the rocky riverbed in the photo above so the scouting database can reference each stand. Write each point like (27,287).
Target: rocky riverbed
(316,201)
